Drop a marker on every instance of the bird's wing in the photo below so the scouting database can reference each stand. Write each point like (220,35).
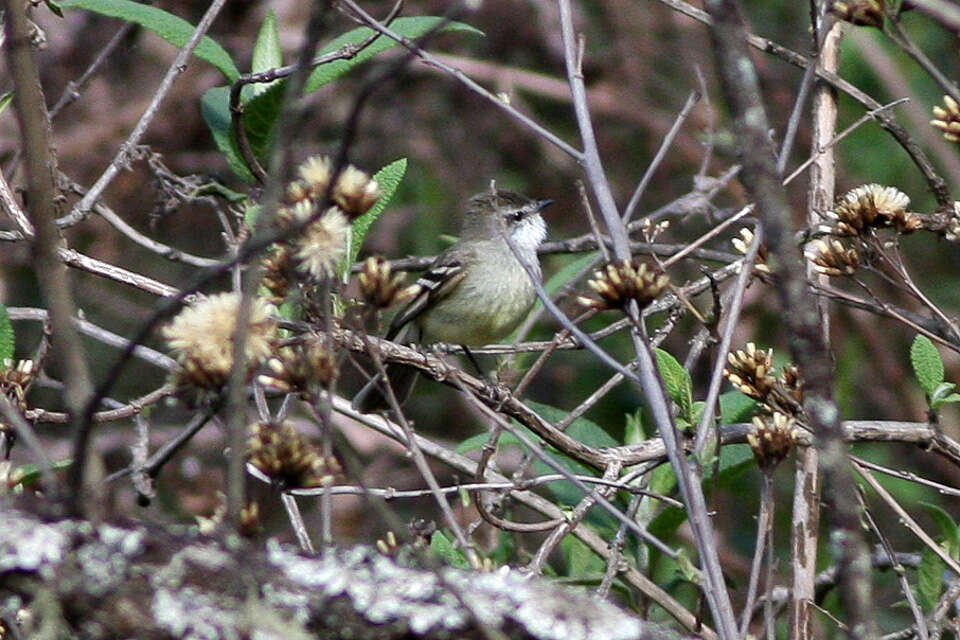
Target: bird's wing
(440,279)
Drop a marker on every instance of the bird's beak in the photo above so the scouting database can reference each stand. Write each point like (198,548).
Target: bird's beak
(543,204)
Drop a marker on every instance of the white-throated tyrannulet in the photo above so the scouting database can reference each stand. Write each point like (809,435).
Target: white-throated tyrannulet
(477,291)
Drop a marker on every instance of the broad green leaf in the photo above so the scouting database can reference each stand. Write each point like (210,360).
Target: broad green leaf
(736,407)
(171,28)
(267,54)
(215,108)
(261,112)
(677,380)
(582,561)
(927,365)
(389,179)
(929,579)
(412,27)
(948,528)
(474,443)
(7,341)
(584,430)
(442,546)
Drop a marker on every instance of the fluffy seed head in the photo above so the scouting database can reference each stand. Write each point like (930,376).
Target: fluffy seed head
(772,439)
(620,282)
(750,370)
(832,257)
(355,192)
(201,338)
(278,268)
(285,456)
(323,244)
(869,206)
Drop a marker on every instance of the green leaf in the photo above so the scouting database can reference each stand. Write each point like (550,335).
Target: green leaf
(412,27)
(927,365)
(474,443)
(736,407)
(215,108)
(27,474)
(634,432)
(942,395)
(5,100)
(929,579)
(677,380)
(582,561)
(7,341)
(267,54)
(389,179)
(948,528)
(261,112)
(171,28)
(442,546)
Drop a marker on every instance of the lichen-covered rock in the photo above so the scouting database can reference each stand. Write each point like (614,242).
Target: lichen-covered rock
(78,580)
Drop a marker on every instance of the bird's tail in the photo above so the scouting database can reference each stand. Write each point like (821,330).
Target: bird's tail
(373,396)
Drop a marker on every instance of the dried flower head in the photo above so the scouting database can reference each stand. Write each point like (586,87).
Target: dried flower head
(864,13)
(249,520)
(742,245)
(278,266)
(832,257)
(380,288)
(792,382)
(16,376)
(952,229)
(388,545)
(201,337)
(323,243)
(301,367)
(620,282)
(947,119)
(315,176)
(868,206)
(750,370)
(355,192)
(772,439)
(284,455)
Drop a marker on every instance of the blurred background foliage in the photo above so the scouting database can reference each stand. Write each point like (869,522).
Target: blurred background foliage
(642,61)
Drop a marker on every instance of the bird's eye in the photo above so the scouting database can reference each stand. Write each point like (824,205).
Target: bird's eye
(515,216)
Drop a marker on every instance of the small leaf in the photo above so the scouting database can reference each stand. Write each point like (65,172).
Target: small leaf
(267,53)
(941,394)
(582,561)
(5,100)
(633,431)
(7,341)
(171,28)
(929,579)
(389,179)
(412,27)
(677,380)
(948,528)
(441,545)
(215,108)
(927,365)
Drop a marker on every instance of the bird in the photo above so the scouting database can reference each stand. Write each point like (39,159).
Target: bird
(477,291)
